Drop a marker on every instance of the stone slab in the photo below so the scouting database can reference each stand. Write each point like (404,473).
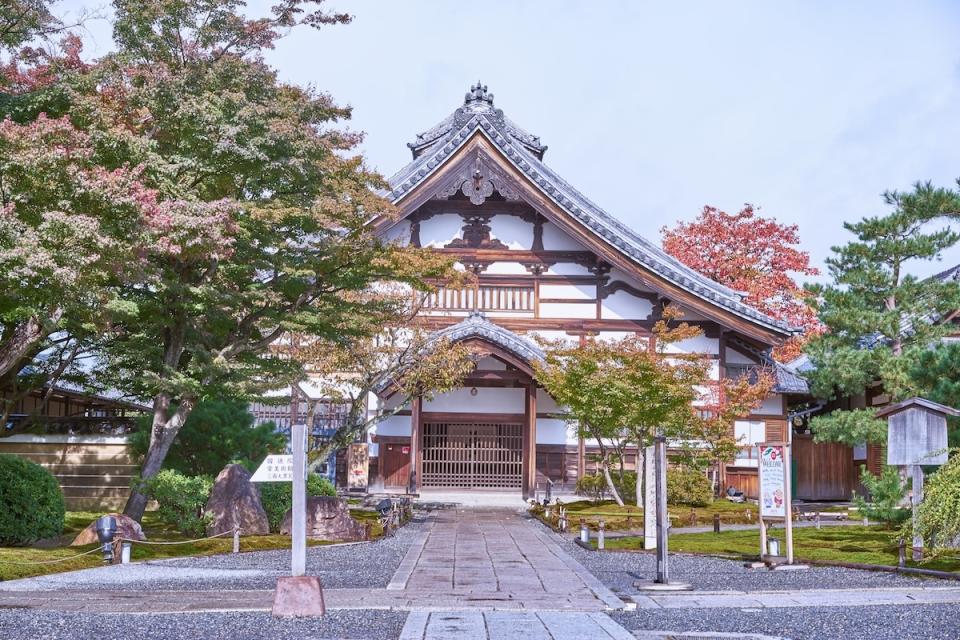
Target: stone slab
(298,597)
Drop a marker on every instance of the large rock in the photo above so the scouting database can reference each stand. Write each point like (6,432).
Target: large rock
(126,528)
(328,519)
(235,501)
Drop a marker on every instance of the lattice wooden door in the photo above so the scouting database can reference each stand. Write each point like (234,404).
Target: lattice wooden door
(486,455)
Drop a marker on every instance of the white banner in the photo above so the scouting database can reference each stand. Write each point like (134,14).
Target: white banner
(773,481)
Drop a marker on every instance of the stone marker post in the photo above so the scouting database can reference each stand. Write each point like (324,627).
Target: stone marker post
(298,441)
(663,518)
(649,499)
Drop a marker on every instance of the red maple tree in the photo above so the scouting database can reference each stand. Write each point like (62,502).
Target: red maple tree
(756,255)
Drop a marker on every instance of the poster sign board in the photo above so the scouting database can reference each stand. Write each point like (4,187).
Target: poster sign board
(276,468)
(358,466)
(773,481)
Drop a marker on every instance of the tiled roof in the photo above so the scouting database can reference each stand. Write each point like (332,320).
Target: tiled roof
(476,325)
(525,152)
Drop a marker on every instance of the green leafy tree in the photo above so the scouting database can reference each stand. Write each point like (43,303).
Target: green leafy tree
(217,433)
(254,206)
(624,390)
(937,373)
(878,317)
(938,517)
(886,494)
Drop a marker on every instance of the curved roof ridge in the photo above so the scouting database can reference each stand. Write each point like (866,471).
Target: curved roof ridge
(476,325)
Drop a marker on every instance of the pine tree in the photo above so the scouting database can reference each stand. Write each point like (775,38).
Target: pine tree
(879,318)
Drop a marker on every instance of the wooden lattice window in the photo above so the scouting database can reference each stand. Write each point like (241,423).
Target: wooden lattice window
(487,455)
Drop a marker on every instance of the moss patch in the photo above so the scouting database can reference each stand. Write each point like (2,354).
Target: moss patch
(156,531)
(617,518)
(863,545)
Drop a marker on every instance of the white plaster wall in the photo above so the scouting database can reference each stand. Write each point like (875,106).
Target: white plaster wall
(568,291)
(546,403)
(400,233)
(735,357)
(556,239)
(567,310)
(772,405)
(690,315)
(612,336)
(512,231)
(568,269)
(624,306)
(507,268)
(393,426)
(623,276)
(552,335)
(551,431)
(487,400)
(440,230)
(697,344)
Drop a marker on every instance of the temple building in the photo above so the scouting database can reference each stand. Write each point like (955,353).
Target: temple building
(548,262)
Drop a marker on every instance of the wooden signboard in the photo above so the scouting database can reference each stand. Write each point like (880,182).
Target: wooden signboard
(358,467)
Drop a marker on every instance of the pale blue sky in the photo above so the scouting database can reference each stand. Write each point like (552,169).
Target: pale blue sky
(808,109)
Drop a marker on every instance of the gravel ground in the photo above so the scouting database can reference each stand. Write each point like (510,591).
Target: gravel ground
(619,570)
(340,625)
(916,622)
(369,565)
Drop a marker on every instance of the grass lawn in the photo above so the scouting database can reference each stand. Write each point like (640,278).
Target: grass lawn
(155,530)
(864,545)
(630,516)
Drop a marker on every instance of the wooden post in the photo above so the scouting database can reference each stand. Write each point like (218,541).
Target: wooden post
(530,450)
(788,500)
(601,539)
(917,472)
(416,405)
(298,441)
(581,457)
(763,539)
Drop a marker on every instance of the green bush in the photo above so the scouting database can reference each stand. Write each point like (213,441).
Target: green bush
(886,492)
(591,486)
(688,487)
(31,503)
(938,518)
(277,497)
(181,500)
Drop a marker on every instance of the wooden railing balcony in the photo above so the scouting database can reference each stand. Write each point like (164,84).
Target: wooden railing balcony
(501,298)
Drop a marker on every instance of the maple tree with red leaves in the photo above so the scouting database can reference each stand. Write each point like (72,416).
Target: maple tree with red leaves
(755,255)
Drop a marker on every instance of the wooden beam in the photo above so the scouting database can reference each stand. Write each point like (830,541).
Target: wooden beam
(530,443)
(416,438)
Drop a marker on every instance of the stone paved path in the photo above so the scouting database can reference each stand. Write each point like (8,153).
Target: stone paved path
(500,556)
(502,625)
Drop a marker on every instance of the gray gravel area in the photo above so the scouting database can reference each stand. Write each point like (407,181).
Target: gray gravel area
(619,570)
(916,622)
(368,565)
(340,625)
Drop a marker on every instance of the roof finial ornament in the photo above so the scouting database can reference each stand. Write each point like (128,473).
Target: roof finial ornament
(478,93)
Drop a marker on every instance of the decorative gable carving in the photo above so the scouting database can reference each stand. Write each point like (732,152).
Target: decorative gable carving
(476,235)
(478,181)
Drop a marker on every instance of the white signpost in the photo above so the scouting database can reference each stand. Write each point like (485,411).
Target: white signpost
(275,468)
(649,498)
(775,498)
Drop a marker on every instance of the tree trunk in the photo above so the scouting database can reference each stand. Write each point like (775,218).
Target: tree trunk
(25,336)
(605,464)
(162,434)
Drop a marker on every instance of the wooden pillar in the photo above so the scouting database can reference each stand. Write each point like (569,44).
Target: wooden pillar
(530,443)
(416,460)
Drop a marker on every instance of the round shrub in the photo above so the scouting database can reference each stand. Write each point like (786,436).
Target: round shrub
(277,497)
(181,500)
(689,487)
(31,503)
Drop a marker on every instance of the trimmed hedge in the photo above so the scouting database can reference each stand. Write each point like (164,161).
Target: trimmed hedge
(31,502)
(277,497)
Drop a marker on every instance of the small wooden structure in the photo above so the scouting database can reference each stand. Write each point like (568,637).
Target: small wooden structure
(916,436)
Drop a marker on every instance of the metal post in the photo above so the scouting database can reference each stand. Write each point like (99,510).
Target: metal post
(663,524)
(818,520)
(917,499)
(584,531)
(298,441)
